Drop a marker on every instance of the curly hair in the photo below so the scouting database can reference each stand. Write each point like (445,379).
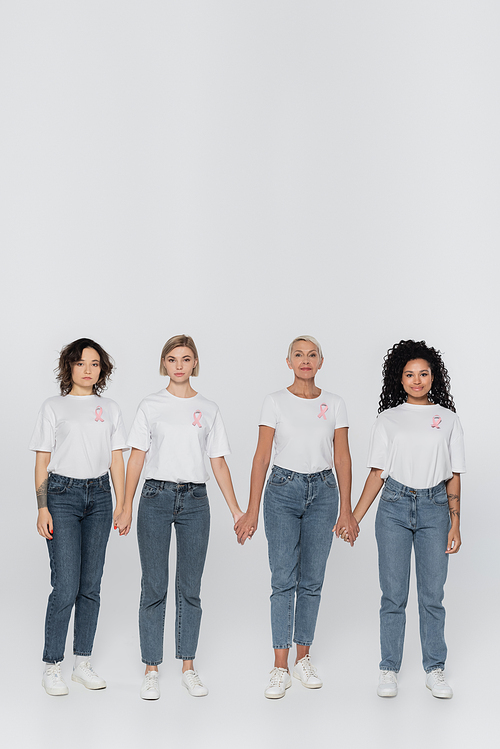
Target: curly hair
(71,354)
(393,393)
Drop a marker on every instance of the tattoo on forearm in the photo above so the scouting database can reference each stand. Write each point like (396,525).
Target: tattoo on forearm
(455,513)
(41,494)
(454,496)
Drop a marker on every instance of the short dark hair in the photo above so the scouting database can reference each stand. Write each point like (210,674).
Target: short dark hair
(71,354)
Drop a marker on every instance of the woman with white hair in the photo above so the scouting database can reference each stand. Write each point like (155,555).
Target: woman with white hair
(308,428)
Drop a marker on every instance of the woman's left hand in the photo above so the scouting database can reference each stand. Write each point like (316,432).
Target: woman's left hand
(454,541)
(122,520)
(348,523)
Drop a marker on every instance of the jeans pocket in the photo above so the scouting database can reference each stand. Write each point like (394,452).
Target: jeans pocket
(330,480)
(149,490)
(389,495)
(199,492)
(278,479)
(440,499)
(55,488)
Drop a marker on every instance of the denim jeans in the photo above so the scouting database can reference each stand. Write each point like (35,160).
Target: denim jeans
(82,511)
(185,506)
(300,510)
(420,518)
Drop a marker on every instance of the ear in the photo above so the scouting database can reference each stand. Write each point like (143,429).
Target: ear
(321,363)
(288,362)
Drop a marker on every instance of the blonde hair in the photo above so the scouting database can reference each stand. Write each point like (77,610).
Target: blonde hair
(174,342)
(304,338)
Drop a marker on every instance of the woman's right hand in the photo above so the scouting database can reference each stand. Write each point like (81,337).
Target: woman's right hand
(44,524)
(245,527)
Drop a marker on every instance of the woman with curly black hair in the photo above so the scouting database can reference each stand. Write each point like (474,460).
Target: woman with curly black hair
(78,436)
(416,455)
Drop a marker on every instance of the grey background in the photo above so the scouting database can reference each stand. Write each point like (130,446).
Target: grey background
(246,172)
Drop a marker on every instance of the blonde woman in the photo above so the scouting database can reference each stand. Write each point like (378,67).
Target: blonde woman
(172,432)
(308,428)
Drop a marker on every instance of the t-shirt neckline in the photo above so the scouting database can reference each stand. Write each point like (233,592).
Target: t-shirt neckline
(304,399)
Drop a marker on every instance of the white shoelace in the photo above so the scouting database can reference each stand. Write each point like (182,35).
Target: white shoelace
(54,670)
(308,667)
(86,667)
(193,679)
(277,676)
(438,675)
(387,677)
(152,680)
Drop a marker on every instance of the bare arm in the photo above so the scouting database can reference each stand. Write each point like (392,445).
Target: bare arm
(117,470)
(123,520)
(373,485)
(247,524)
(223,478)
(453,492)
(342,463)
(44,521)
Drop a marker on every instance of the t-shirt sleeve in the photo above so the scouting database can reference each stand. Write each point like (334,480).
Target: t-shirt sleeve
(44,435)
(341,419)
(268,414)
(119,435)
(140,434)
(457,448)
(377,453)
(217,442)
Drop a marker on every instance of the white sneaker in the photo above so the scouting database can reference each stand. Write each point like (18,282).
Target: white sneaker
(52,680)
(193,684)
(278,684)
(436,682)
(306,672)
(150,687)
(387,684)
(85,674)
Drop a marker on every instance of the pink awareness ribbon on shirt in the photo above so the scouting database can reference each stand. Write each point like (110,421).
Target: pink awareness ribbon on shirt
(323,410)
(436,421)
(197,417)
(98,414)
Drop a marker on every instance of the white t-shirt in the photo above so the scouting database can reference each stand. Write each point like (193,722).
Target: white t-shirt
(175,433)
(304,429)
(419,446)
(80,432)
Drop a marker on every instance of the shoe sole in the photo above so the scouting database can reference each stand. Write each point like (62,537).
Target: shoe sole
(87,684)
(439,696)
(278,696)
(150,698)
(55,692)
(191,693)
(308,686)
(387,694)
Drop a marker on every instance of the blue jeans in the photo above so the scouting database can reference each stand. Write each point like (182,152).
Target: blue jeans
(163,504)
(420,518)
(300,510)
(82,512)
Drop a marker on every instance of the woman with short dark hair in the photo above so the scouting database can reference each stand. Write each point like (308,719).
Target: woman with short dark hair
(78,437)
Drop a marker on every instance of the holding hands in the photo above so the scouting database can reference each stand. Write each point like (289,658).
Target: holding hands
(245,527)
(347,528)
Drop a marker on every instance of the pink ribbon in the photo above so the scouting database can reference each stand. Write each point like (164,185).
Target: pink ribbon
(323,410)
(98,413)
(436,421)
(197,417)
